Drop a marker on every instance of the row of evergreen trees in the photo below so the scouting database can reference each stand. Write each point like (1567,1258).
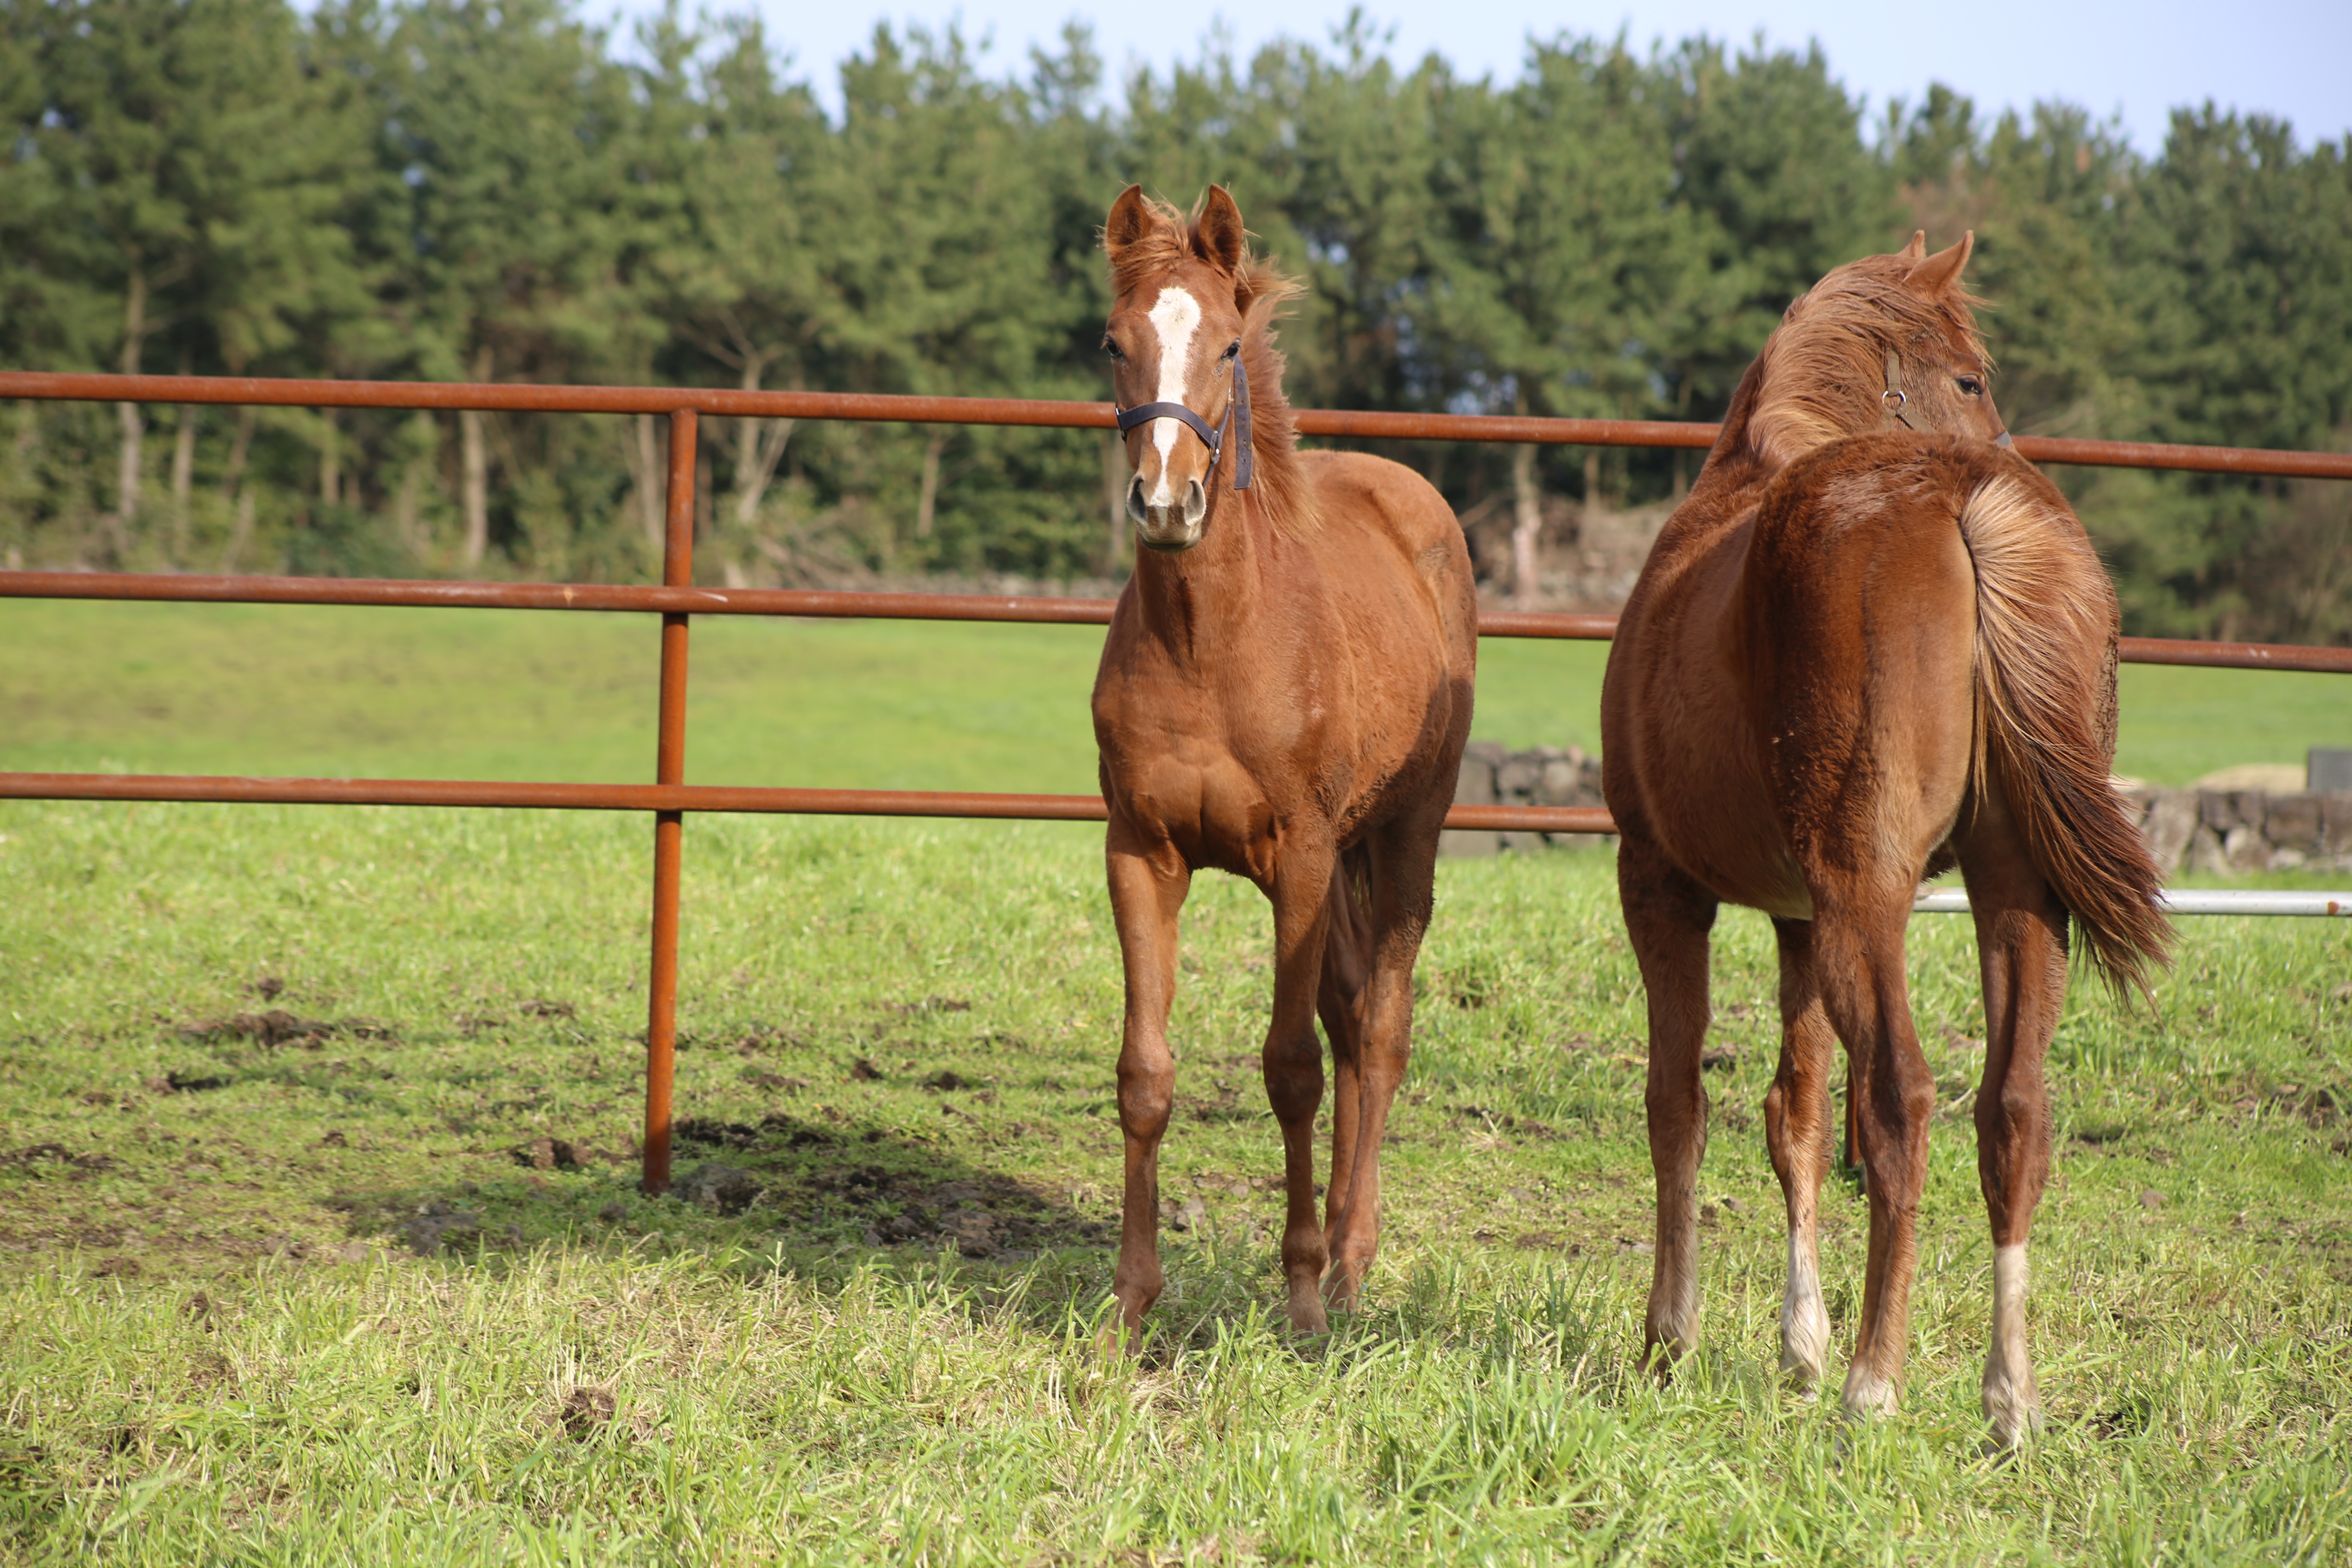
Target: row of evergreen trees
(491,189)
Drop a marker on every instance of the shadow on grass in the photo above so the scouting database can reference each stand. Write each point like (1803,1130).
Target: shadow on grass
(827,1202)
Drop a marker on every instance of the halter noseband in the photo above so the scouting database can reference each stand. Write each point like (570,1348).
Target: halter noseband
(1898,406)
(1237,415)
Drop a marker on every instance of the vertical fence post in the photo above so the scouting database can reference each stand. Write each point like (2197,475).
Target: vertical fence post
(669,827)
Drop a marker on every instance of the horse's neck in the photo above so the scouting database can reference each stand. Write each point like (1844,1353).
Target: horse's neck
(1214,589)
(1734,471)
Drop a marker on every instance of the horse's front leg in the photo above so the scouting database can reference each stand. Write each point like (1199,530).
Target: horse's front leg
(1668,916)
(1148,884)
(1293,1060)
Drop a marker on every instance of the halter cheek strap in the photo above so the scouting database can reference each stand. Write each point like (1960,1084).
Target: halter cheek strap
(1898,406)
(1237,416)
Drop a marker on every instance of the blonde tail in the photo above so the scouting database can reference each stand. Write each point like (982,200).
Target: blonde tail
(2046,627)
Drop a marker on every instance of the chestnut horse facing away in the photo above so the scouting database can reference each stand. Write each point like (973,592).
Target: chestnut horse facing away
(1283,695)
(1871,644)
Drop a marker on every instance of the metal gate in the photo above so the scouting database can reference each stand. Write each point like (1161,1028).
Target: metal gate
(669,796)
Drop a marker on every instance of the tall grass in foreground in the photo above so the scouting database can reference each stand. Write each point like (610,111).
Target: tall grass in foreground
(219,1341)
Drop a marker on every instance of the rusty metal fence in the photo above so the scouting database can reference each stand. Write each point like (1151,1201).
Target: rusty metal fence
(669,796)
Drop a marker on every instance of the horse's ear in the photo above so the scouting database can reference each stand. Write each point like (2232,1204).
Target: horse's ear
(1217,234)
(1129,219)
(1941,271)
(1916,248)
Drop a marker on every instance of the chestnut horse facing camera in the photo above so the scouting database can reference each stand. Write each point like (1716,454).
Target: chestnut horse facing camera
(1283,695)
(1871,645)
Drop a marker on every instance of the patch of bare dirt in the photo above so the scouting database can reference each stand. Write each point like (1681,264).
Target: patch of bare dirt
(277,1028)
(57,1156)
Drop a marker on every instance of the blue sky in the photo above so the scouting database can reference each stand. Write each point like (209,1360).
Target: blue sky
(2286,57)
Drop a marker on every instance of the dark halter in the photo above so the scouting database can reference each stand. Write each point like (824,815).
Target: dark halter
(1237,418)
(1898,406)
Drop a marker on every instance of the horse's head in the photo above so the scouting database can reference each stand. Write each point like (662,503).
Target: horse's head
(1183,296)
(1884,342)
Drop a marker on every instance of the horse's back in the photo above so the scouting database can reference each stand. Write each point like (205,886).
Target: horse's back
(1358,491)
(1824,647)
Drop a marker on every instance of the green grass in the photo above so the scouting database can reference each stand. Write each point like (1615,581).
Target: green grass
(280,689)
(221,1345)
(219,1341)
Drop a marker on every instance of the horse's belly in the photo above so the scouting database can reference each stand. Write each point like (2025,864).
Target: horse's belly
(1736,848)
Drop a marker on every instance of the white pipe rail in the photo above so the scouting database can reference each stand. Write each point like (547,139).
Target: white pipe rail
(2184,901)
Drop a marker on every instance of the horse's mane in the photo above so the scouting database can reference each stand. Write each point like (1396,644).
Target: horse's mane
(1264,292)
(1824,372)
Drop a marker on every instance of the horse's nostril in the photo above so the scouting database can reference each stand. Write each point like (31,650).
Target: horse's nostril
(1135,498)
(1196,503)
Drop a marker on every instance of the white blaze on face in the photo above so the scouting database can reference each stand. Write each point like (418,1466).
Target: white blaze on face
(1175,316)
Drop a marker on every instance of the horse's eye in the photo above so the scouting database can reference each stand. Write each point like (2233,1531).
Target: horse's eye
(1234,349)
(1110,347)
(1972,386)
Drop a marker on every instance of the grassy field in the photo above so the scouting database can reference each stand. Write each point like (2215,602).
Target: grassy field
(276,690)
(319,1237)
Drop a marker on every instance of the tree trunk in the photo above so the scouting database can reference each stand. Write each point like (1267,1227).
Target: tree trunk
(404,510)
(1682,454)
(759,447)
(647,473)
(134,335)
(474,459)
(1113,477)
(240,448)
(331,460)
(927,503)
(184,474)
(1525,524)
(239,534)
(702,502)
(1592,481)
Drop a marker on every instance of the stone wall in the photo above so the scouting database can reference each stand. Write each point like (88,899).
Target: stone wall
(1494,774)
(2245,830)
(2194,830)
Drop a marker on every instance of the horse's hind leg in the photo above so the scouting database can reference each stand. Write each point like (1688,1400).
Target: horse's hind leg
(1148,884)
(2022,949)
(1858,967)
(1386,919)
(1797,1131)
(1668,915)
(1294,1066)
(1340,1001)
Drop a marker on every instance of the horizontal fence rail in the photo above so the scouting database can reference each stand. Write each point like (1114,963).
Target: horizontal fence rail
(2185,902)
(824,604)
(516,397)
(677,598)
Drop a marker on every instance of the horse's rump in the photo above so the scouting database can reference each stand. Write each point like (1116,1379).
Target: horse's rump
(1903,615)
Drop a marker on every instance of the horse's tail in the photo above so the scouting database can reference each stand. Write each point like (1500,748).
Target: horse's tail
(2045,659)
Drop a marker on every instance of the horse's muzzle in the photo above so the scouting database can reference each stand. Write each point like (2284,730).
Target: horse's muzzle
(1167,529)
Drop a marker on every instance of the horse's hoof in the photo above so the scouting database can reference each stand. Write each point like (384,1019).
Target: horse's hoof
(1659,1356)
(1802,1378)
(2015,1421)
(1307,1315)
(1341,1288)
(1867,1395)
